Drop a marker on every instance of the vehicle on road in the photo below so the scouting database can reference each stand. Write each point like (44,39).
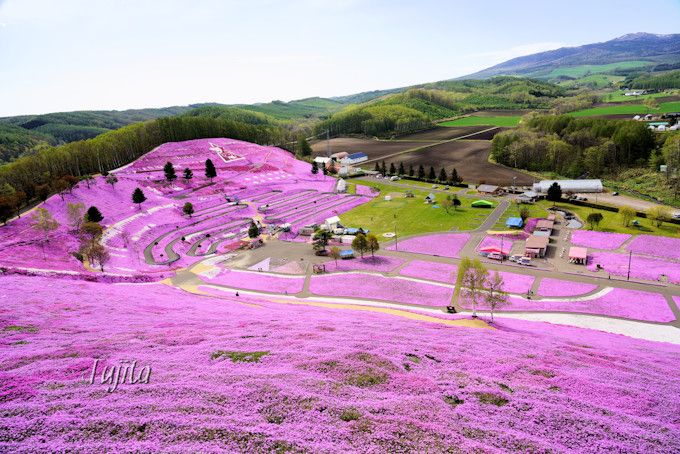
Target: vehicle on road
(495,256)
(515,257)
(526,261)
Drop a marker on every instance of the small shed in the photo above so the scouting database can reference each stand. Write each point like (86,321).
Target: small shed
(430,198)
(536,246)
(488,189)
(514,223)
(578,255)
(482,204)
(341,187)
(332,223)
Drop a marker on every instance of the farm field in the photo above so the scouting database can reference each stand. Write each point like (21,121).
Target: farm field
(412,215)
(375,149)
(469,157)
(583,70)
(443,133)
(620,96)
(507,121)
(627,109)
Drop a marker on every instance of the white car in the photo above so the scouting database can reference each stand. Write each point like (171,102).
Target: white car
(516,258)
(495,256)
(526,261)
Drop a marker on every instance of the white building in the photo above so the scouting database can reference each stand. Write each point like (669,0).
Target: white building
(575,186)
(354,158)
(341,187)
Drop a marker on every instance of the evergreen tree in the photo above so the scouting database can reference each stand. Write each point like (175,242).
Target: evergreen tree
(453,178)
(315,167)
(442,175)
(169,171)
(393,170)
(188,174)
(253,230)
(210,171)
(402,171)
(138,197)
(303,147)
(93,215)
(188,209)
(431,176)
(377,167)
(554,192)
(383,168)
(411,172)
(421,172)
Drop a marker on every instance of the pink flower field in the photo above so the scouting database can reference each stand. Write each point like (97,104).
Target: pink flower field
(441,244)
(657,246)
(435,271)
(558,287)
(379,263)
(515,283)
(641,267)
(628,304)
(265,377)
(598,240)
(368,286)
(254,280)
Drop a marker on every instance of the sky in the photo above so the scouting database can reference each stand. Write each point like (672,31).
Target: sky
(118,54)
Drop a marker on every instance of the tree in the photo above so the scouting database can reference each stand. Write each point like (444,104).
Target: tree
(627,214)
(5,209)
(112,180)
(303,147)
(431,176)
(169,171)
(594,219)
(442,175)
(188,209)
(471,278)
(377,167)
(456,202)
(454,178)
(74,215)
(93,215)
(324,169)
(554,193)
(42,191)
(315,167)
(210,171)
(320,240)
(411,172)
(393,170)
(17,201)
(89,233)
(383,168)
(70,182)
(188,174)
(658,214)
(421,172)
(332,169)
(88,180)
(60,186)
(495,297)
(138,197)
(253,230)
(43,221)
(372,244)
(402,171)
(524,213)
(335,254)
(447,203)
(360,243)
(98,253)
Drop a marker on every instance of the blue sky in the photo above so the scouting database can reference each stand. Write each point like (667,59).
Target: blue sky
(99,54)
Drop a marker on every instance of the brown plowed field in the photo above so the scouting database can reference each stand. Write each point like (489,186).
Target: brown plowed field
(443,133)
(375,149)
(470,158)
(487,135)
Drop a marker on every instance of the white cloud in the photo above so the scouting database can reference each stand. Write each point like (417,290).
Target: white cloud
(517,51)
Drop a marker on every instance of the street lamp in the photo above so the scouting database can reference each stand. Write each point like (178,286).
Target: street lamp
(396,240)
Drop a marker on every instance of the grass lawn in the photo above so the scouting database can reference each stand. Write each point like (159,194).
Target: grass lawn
(472,120)
(413,215)
(535,210)
(620,97)
(612,221)
(629,109)
(595,80)
(583,70)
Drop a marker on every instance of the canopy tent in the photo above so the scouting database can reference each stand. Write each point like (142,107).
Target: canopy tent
(514,223)
(578,255)
(498,250)
(482,204)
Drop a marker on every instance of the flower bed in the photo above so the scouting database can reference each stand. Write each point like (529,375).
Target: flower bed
(658,246)
(598,240)
(515,283)
(435,271)
(628,304)
(366,286)
(440,244)
(558,287)
(641,267)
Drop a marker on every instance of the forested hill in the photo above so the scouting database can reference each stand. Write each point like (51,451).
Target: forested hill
(637,49)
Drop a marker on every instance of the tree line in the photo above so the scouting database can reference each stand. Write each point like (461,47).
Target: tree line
(442,177)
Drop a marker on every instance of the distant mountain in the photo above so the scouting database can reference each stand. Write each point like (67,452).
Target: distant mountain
(635,50)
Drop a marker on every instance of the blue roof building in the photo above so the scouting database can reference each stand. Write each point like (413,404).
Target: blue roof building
(514,223)
(347,254)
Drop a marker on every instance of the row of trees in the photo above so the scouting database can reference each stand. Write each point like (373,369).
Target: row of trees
(188,174)
(477,285)
(51,169)
(443,177)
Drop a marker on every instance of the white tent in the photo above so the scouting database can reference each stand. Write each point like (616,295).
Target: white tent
(570,185)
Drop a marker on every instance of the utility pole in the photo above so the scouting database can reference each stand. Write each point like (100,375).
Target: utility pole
(396,239)
(630,256)
(328,143)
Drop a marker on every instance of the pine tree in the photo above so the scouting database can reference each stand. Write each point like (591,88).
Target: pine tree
(210,171)
(188,174)
(402,171)
(393,170)
(421,172)
(303,147)
(411,172)
(138,197)
(315,167)
(188,209)
(377,167)
(383,168)
(442,175)
(253,230)
(431,176)
(454,177)
(169,171)
(93,215)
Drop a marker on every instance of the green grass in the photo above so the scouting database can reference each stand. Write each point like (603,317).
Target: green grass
(509,120)
(620,97)
(239,357)
(593,80)
(535,211)
(628,109)
(413,215)
(612,221)
(584,70)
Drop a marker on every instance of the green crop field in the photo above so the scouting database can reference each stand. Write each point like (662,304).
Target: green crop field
(628,109)
(510,121)
(583,70)
(620,97)
(413,215)
(593,80)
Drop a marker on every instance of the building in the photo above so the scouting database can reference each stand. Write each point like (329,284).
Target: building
(545,225)
(488,189)
(536,246)
(578,255)
(514,223)
(332,223)
(354,158)
(347,254)
(528,197)
(574,186)
(321,160)
(339,156)
(341,187)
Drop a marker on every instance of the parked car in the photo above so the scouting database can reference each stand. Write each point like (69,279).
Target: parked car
(446,188)
(321,252)
(495,256)
(526,261)
(394,178)
(516,257)
(615,193)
